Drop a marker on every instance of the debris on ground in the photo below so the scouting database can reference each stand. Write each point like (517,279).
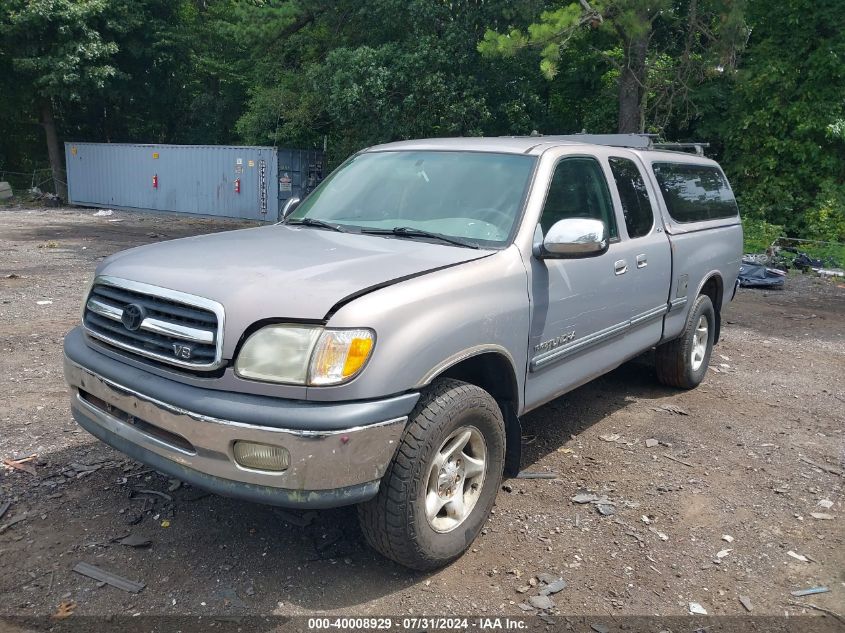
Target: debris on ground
(21,464)
(745,601)
(675,459)
(753,275)
(600,628)
(604,506)
(810,605)
(109,578)
(610,437)
(671,408)
(292,518)
(606,509)
(541,602)
(12,521)
(651,442)
(553,587)
(661,535)
(527,474)
(727,538)
(796,556)
(103,213)
(809,592)
(4,507)
(826,469)
(723,553)
(156,493)
(135,540)
(697,609)
(64,610)
(822,516)
(825,503)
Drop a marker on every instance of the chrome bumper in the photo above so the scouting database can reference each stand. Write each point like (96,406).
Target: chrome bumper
(196,443)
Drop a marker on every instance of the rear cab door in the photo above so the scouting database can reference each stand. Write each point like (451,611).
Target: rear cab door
(648,254)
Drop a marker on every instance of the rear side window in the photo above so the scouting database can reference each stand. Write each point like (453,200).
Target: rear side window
(694,193)
(636,206)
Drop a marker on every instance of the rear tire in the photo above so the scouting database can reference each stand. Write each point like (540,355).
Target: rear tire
(683,361)
(439,489)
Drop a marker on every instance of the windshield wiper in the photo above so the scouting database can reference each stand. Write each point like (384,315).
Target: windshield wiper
(318,223)
(407,231)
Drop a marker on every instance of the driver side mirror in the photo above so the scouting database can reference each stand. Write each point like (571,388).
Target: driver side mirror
(290,205)
(572,238)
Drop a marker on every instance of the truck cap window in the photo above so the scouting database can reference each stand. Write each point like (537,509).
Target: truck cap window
(578,190)
(694,193)
(636,206)
(474,197)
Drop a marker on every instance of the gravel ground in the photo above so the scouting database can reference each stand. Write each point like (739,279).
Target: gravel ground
(713,512)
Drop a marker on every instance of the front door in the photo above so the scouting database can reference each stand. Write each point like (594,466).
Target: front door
(581,308)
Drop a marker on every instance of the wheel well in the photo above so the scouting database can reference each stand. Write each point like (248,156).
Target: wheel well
(493,373)
(713,288)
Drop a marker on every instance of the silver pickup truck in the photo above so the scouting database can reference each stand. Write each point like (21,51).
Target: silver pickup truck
(379,345)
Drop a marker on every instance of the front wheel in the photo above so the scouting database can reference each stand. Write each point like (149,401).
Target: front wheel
(683,362)
(442,483)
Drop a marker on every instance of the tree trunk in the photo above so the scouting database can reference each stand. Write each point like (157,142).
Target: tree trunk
(632,85)
(53,150)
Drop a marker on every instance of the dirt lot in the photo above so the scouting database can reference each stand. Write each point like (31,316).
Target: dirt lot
(750,454)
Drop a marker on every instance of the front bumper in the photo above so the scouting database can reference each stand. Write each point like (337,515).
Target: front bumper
(328,467)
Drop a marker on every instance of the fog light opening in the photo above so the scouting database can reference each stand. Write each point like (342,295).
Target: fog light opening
(261,456)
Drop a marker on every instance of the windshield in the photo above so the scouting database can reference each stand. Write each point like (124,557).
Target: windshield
(470,196)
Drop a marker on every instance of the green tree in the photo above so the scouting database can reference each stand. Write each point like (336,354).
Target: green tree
(783,124)
(657,48)
(382,70)
(56,51)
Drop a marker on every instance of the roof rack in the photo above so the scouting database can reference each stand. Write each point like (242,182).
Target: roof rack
(633,141)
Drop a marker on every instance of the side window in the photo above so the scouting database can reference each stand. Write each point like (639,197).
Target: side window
(694,193)
(639,218)
(578,190)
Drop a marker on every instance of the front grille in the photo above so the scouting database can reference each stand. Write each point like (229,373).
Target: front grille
(155,323)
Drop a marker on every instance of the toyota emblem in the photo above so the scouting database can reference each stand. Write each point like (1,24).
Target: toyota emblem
(133,316)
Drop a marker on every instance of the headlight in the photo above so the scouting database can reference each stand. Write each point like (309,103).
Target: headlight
(339,355)
(304,355)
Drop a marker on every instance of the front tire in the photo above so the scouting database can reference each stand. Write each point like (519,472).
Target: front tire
(683,361)
(440,487)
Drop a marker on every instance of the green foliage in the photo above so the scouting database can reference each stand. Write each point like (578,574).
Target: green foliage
(759,235)
(826,219)
(782,136)
(57,46)
(355,73)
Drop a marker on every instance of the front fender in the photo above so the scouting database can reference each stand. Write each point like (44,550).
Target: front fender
(426,324)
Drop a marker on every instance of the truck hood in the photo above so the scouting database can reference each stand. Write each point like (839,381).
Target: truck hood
(281,272)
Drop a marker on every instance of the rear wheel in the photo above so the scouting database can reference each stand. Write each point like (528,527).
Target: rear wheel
(442,483)
(683,362)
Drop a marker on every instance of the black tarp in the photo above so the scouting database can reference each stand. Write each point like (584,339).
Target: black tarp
(756,276)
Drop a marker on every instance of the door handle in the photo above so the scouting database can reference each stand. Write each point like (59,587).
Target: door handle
(620,267)
(642,261)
